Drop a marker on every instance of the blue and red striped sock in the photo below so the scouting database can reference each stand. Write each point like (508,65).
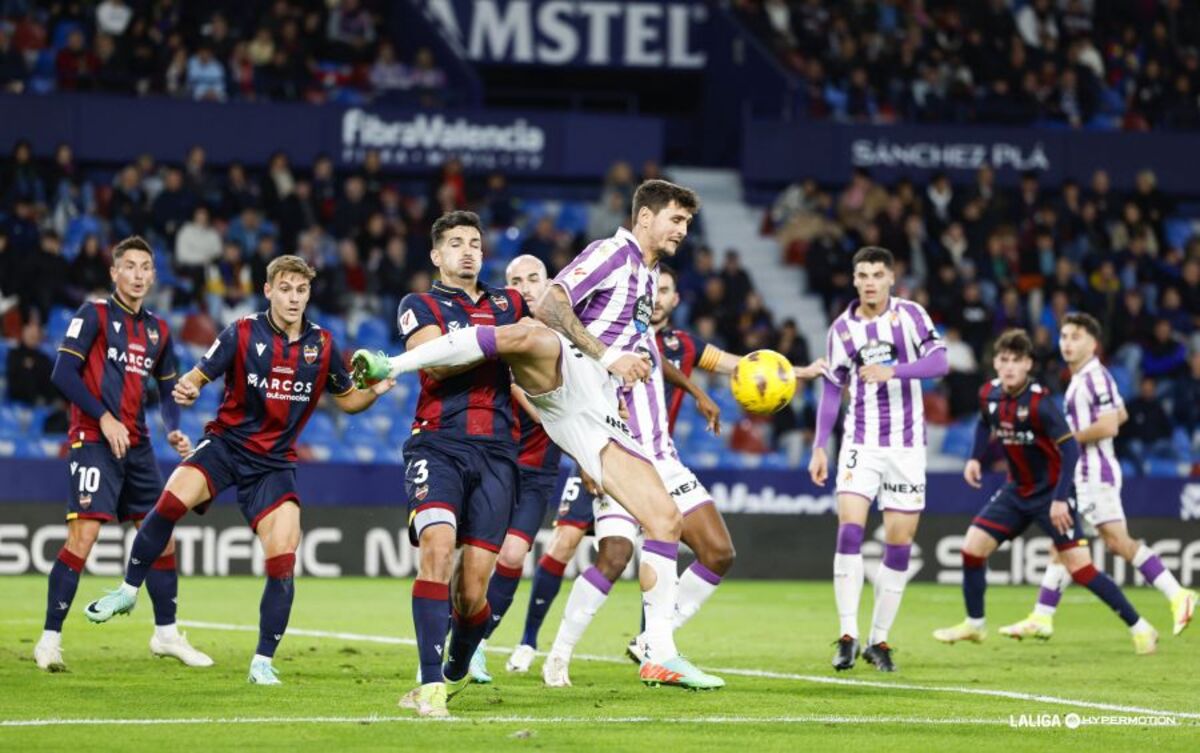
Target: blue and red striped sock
(431,613)
(501,590)
(1108,591)
(276,605)
(547,581)
(64,580)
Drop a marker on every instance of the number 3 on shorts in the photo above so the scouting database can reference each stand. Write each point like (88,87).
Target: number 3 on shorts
(853,462)
(418,471)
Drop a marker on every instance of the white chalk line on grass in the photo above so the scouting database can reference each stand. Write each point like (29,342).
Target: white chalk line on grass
(374,719)
(818,679)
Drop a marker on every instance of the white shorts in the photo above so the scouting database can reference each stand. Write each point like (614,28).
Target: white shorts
(611,519)
(893,475)
(682,484)
(580,415)
(1098,504)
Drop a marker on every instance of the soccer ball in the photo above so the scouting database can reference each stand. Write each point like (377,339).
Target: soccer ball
(763,382)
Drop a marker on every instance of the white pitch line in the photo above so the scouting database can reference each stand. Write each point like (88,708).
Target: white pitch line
(818,679)
(373,719)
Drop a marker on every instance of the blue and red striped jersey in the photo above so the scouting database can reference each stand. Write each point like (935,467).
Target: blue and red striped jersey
(686,352)
(537,450)
(476,403)
(119,349)
(271,385)
(1029,425)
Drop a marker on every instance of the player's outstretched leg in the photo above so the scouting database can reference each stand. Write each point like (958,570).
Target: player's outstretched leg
(162,584)
(1040,622)
(1079,561)
(1150,565)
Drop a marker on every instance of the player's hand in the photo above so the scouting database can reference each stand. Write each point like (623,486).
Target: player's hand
(589,484)
(811,371)
(711,412)
(818,467)
(631,368)
(876,373)
(622,406)
(185,393)
(1060,517)
(117,435)
(973,474)
(382,387)
(180,443)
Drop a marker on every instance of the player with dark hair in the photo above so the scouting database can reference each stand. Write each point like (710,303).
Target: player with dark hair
(112,346)
(1041,453)
(1095,412)
(276,364)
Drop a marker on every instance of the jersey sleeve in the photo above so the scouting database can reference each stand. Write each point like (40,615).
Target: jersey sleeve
(926,337)
(1053,423)
(706,355)
(219,356)
(167,366)
(591,271)
(81,332)
(413,314)
(836,354)
(1105,396)
(520,306)
(338,382)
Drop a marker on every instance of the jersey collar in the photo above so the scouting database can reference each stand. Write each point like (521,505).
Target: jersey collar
(627,236)
(1091,365)
(116,301)
(853,311)
(305,326)
(454,292)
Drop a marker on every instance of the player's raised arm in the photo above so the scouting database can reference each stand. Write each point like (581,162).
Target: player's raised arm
(709,409)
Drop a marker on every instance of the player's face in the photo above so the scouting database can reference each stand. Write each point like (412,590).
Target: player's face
(288,295)
(668,228)
(460,256)
(666,300)
(1013,370)
(529,278)
(132,275)
(1076,344)
(873,281)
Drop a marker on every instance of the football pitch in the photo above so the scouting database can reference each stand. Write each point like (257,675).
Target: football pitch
(349,655)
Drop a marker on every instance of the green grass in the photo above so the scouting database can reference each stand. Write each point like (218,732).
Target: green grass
(780,627)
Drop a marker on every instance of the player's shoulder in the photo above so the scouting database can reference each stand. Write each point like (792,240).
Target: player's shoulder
(908,306)
(416,299)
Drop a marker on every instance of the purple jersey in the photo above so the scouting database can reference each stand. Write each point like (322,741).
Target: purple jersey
(119,350)
(890,414)
(271,385)
(1092,392)
(477,403)
(612,291)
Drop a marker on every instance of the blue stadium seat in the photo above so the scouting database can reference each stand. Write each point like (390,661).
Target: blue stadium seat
(57,323)
(320,429)
(508,244)
(775,461)
(1123,380)
(336,327)
(1165,468)
(373,334)
(573,217)
(959,438)
(1179,231)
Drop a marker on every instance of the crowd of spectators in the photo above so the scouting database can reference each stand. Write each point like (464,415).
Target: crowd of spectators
(981,258)
(1077,63)
(247,50)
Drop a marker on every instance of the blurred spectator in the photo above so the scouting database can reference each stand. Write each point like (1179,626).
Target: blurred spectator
(206,76)
(12,66)
(1185,397)
(76,65)
(1147,434)
(197,246)
(229,286)
(89,274)
(28,369)
(542,242)
(173,206)
(1165,355)
(20,178)
(737,282)
(113,17)
(350,31)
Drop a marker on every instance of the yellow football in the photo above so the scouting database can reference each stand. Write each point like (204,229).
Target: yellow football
(763,382)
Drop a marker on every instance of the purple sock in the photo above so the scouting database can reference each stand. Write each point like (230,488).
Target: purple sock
(501,589)
(486,337)
(1151,568)
(849,538)
(547,580)
(896,556)
(431,614)
(465,635)
(64,580)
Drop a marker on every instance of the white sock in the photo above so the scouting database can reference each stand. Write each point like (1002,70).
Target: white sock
(979,623)
(1164,581)
(588,594)
(457,348)
(126,588)
(889,590)
(659,601)
(260,657)
(167,632)
(51,636)
(1141,626)
(1056,578)
(847,590)
(695,586)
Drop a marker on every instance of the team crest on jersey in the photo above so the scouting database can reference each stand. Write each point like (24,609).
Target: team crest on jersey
(153,335)
(421,493)
(501,302)
(310,353)
(671,341)
(85,501)
(845,336)
(1022,412)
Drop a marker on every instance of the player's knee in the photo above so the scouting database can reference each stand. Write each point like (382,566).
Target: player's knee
(665,524)
(614,556)
(565,542)
(81,538)
(719,557)
(512,553)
